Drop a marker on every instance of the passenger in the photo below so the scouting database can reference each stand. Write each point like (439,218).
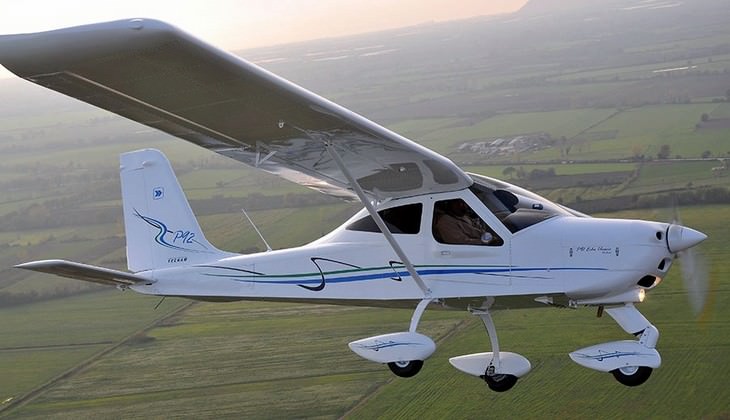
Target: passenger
(455,226)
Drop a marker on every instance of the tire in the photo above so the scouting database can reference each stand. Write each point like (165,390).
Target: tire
(632,375)
(500,383)
(406,369)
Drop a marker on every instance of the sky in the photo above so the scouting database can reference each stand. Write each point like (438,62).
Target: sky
(240,24)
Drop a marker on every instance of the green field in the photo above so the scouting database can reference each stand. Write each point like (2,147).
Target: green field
(282,228)
(226,359)
(41,341)
(631,132)
(645,71)
(556,123)
(497,171)
(71,349)
(677,175)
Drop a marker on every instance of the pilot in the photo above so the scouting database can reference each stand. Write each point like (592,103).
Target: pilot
(455,226)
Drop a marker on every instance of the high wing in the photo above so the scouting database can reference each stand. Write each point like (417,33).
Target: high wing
(160,76)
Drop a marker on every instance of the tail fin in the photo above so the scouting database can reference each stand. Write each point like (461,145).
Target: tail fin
(161,228)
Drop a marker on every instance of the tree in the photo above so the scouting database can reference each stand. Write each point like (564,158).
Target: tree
(509,171)
(664,152)
(521,174)
(636,151)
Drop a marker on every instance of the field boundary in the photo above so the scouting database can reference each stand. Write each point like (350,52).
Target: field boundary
(39,390)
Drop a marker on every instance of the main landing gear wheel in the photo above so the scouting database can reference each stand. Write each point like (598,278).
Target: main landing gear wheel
(500,383)
(406,369)
(632,375)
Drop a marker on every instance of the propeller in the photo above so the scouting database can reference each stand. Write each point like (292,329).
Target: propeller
(695,275)
(696,280)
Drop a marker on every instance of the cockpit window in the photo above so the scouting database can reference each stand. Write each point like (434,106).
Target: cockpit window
(515,207)
(403,219)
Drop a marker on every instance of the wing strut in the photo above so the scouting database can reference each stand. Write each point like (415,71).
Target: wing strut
(378,221)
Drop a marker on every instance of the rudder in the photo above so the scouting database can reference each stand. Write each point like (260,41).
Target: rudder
(160,226)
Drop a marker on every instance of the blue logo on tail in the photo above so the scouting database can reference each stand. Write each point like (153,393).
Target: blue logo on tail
(158,193)
(181,240)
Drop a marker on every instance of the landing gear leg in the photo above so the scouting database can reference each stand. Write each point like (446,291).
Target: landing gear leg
(417,314)
(498,382)
(629,318)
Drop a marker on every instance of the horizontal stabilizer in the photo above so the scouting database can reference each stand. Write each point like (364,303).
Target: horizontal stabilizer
(86,272)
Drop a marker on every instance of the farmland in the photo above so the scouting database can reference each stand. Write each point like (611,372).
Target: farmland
(617,135)
(237,358)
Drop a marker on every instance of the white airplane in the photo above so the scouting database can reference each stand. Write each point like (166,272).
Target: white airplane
(430,235)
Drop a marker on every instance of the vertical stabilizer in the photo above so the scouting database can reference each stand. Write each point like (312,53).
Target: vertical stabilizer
(160,226)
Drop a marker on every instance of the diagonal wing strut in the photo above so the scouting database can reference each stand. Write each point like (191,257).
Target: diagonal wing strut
(378,220)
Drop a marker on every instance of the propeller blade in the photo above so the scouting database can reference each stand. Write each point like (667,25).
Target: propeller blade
(696,279)
(695,273)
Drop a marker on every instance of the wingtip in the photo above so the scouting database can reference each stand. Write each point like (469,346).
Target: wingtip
(136,23)
(28,54)
(34,265)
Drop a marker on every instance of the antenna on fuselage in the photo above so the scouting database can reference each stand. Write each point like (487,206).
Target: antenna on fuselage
(268,248)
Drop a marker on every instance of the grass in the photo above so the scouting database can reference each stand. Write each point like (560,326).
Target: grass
(36,236)
(418,127)
(243,357)
(33,349)
(674,175)
(719,62)
(11,124)
(645,129)
(281,227)
(207,183)
(721,111)
(560,169)
(640,130)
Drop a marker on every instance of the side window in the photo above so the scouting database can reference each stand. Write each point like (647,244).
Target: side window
(403,219)
(454,222)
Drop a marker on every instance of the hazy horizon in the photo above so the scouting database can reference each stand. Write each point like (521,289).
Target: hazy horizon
(236,25)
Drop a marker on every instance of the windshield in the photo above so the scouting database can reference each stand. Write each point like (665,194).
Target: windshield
(515,207)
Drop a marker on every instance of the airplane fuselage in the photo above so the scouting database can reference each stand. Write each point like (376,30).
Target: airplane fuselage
(559,260)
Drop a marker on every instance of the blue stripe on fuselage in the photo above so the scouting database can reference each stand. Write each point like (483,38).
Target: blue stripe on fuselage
(386,274)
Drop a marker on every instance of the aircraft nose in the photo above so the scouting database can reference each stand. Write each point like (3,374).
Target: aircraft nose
(680,238)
